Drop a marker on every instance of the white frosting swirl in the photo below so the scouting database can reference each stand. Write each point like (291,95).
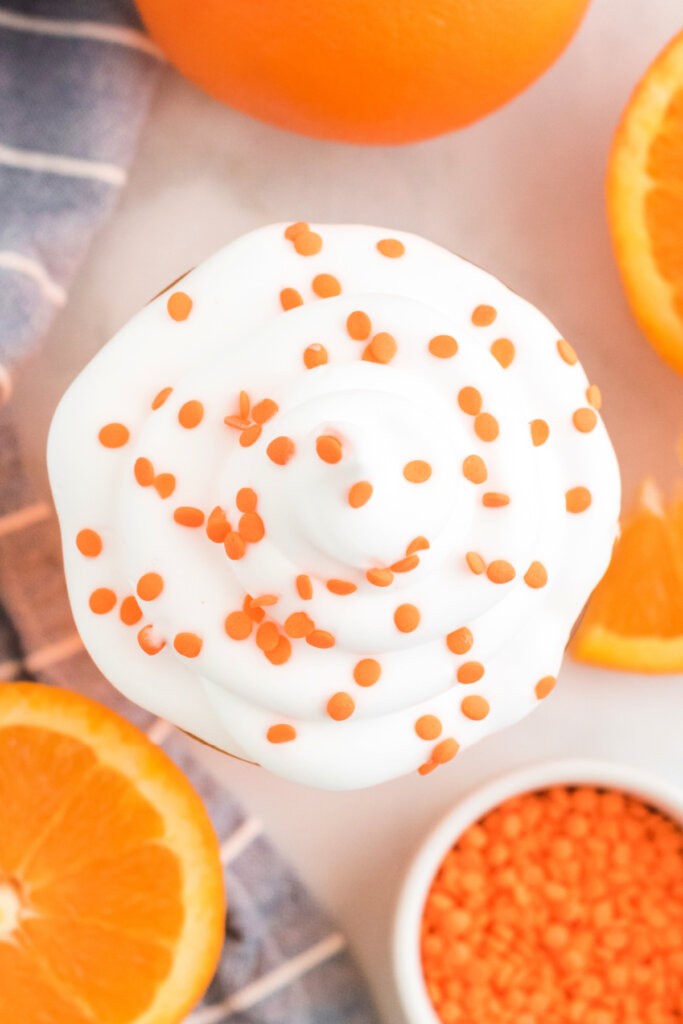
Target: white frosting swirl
(484,394)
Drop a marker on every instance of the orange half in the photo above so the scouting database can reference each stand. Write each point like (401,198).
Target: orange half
(634,620)
(645,202)
(111,891)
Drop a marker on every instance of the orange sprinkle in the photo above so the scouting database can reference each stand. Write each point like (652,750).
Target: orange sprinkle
(341,706)
(179,305)
(251,527)
(360,493)
(594,396)
(280,450)
(474,469)
(304,587)
(187,644)
(381,349)
(320,638)
(255,613)
(143,471)
(315,355)
(540,432)
(567,352)
(264,601)
(367,671)
(130,611)
(426,769)
(234,546)
(281,734)
(148,642)
(217,526)
(267,636)
(391,247)
(500,571)
(114,435)
(493,499)
(486,426)
(428,727)
(417,471)
(150,586)
(418,544)
(326,286)
(307,243)
(186,515)
(341,587)
(470,401)
(578,499)
(237,422)
(290,298)
(250,435)
(536,576)
(264,410)
(406,564)
(102,600)
(238,625)
(246,499)
(585,420)
(281,653)
(406,618)
(245,405)
(299,625)
(443,346)
(161,398)
(545,686)
(293,230)
(359,325)
(460,640)
(475,562)
(470,672)
(475,707)
(482,316)
(164,484)
(503,351)
(379,577)
(190,414)
(89,543)
(445,751)
(328,448)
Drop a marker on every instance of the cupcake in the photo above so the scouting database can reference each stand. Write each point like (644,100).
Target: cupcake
(333,503)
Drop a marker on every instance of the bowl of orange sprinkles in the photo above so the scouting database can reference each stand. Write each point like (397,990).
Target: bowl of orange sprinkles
(553,893)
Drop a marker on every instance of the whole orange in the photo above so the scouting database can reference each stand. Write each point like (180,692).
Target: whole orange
(368,71)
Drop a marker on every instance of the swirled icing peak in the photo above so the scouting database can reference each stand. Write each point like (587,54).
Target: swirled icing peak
(333,503)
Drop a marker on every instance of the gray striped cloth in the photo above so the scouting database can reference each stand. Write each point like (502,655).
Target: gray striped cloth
(75,79)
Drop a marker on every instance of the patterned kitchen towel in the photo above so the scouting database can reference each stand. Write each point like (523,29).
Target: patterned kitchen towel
(75,79)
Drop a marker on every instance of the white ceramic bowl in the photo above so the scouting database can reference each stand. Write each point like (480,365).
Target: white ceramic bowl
(406,938)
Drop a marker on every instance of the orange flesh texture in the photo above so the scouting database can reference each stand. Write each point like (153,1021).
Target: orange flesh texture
(664,201)
(103,890)
(374,73)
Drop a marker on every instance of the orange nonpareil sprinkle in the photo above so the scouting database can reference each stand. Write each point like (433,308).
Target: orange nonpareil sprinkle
(299,625)
(245,405)
(567,353)
(406,564)
(315,355)
(264,410)
(217,526)
(475,562)
(114,435)
(281,653)
(102,600)
(294,229)
(406,618)
(190,414)
(290,298)
(585,420)
(578,499)
(341,706)
(179,306)
(264,601)
(470,401)
(379,577)
(418,544)
(381,349)
(503,351)
(237,422)
(251,527)
(564,905)
(186,515)
(341,587)
(307,243)
(159,400)
(358,325)
(238,625)
(360,494)
(281,734)
(143,471)
(326,286)
(234,546)
(150,586)
(130,611)
(500,571)
(428,727)
(417,471)
(536,576)
(391,247)
(445,751)
(486,427)
(475,707)
(540,431)
(250,435)
(164,484)
(89,543)
(150,643)
(328,448)
(545,686)
(470,672)
(494,499)
(304,587)
(483,315)
(254,611)
(280,450)
(246,499)
(320,638)
(187,644)
(367,671)
(474,469)
(594,396)
(267,636)
(443,346)
(460,640)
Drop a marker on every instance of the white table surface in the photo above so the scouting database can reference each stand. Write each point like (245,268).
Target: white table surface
(520,193)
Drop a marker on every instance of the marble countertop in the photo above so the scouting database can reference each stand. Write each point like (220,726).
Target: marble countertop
(521,194)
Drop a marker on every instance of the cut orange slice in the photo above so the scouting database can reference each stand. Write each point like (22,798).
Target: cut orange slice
(645,202)
(634,620)
(111,891)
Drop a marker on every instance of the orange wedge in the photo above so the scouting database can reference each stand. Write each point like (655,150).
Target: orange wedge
(645,202)
(111,892)
(634,620)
